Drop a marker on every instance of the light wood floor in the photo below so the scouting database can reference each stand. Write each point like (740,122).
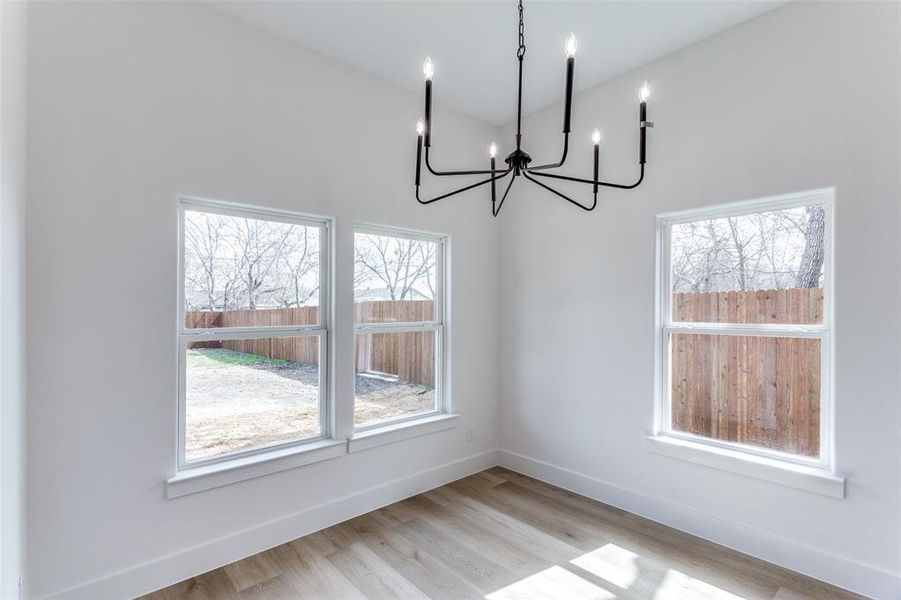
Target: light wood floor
(501,536)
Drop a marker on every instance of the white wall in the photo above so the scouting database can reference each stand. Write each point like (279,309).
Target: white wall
(804,97)
(131,104)
(13,30)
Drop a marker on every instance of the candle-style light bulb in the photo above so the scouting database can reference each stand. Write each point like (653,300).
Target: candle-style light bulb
(645,92)
(571,46)
(643,122)
(420,126)
(596,137)
(428,68)
(492,150)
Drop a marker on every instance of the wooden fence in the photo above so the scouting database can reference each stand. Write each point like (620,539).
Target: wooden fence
(794,305)
(408,356)
(763,391)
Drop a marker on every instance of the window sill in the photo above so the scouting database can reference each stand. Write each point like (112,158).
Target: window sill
(396,432)
(811,479)
(190,481)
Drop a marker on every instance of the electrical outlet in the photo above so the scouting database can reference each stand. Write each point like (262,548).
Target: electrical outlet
(469,434)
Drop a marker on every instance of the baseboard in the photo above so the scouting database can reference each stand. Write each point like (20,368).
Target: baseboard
(771,547)
(176,567)
(838,570)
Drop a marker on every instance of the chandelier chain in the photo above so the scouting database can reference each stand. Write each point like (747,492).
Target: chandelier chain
(522,35)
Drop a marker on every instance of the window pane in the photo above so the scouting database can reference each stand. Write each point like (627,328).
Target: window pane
(245,394)
(760,268)
(395,279)
(395,376)
(761,391)
(243,272)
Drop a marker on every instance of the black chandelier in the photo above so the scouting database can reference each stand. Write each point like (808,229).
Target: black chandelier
(518,160)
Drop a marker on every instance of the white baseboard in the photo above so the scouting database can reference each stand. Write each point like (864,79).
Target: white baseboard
(771,547)
(835,569)
(186,563)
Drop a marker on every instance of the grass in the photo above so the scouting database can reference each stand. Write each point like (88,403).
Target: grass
(205,358)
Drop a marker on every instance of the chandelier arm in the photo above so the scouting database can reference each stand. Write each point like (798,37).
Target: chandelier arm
(564,196)
(462,189)
(428,166)
(497,209)
(562,158)
(620,186)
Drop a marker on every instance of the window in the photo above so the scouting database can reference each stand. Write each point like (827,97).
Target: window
(398,325)
(252,331)
(745,327)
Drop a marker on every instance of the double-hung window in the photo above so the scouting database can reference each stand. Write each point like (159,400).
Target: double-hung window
(399,314)
(745,327)
(252,331)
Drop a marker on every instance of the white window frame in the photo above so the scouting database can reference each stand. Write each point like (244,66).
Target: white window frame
(666,327)
(437,325)
(322,330)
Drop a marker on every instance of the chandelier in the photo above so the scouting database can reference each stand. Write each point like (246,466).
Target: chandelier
(518,161)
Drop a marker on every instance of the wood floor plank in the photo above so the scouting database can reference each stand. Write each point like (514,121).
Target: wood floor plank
(464,560)
(311,574)
(499,535)
(550,519)
(277,588)
(509,528)
(485,543)
(399,512)
(209,586)
(251,571)
(372,575)
(423,569)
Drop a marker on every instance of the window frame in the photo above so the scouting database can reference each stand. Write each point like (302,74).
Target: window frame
(322,330)
(666,327)
(438,324)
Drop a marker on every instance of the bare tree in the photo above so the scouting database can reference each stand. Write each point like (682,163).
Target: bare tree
(401,265)
(814,237)
(301,267)
(234,263)
(202,241)
(741,258)
(260,245)
(770,250)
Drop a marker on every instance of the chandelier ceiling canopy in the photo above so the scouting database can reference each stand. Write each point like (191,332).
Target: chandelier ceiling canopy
(518,162)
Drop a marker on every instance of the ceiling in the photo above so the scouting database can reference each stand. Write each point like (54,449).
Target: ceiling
(473,43)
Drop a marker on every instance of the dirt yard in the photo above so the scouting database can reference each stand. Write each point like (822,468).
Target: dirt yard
(237,401)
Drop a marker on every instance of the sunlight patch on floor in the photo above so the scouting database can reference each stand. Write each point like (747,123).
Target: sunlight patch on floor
(678,586)
(555,583)
(611,563)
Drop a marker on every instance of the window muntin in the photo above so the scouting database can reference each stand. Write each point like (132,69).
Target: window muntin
(252,356)
(745,345)
(398,325)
